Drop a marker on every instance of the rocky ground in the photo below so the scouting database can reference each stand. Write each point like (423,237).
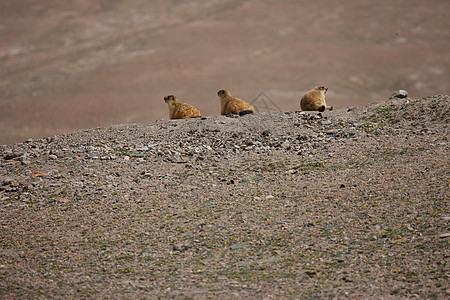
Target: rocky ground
(348,203)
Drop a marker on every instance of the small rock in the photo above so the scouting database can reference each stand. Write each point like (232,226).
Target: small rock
(310,273)
(402,94)
(269,197)
(53,156)
(38,174)
(331,131)
(12,155)
(265,133)
(285,144)
(399,94)
(181,247)
(444,235)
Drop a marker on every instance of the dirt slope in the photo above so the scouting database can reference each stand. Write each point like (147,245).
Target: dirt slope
(350,203)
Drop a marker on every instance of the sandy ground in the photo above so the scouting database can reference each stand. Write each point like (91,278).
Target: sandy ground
(68,66)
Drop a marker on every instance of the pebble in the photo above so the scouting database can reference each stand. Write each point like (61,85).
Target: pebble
(265,133)
(444,235)
(181,247)
(402,94)
(53,156)
(12,155)
(38,174)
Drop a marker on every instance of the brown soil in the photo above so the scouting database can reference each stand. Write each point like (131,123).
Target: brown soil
(67,66)
(350,203)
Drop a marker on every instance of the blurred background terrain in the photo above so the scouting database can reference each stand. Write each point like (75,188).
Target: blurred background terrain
(65,66)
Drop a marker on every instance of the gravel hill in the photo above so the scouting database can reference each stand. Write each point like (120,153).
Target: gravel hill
(348,203)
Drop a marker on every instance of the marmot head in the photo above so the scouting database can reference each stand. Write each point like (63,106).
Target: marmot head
(170,98)
(223,93)
(321,88)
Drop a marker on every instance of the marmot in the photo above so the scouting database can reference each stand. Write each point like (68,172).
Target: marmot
(233,105)
(180,110)
(315,99)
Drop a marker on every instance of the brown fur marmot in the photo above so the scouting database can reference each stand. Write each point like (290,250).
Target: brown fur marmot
(180,110)
(315,99)
(233,105)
